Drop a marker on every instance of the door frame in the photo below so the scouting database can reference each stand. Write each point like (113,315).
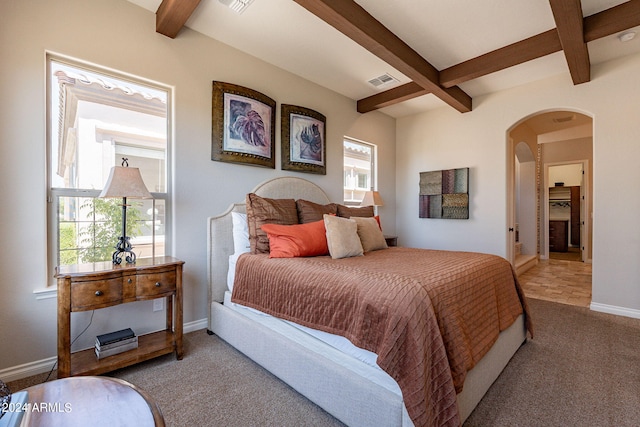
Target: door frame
(511,208)
(510,190)
(584,191)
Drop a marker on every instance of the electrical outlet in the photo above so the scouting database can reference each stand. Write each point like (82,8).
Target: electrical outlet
(158,304)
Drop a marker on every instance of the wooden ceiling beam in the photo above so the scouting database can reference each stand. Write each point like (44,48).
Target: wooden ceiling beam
(356,23)
(390,97)
(517,53)
(172,15)
(596,26)
(569,23)
(611,21)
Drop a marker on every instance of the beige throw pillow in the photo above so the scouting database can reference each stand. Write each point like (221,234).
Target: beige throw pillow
(342,237)
(370,234)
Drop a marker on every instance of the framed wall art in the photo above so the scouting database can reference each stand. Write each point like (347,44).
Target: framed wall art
(242,126)
(444,194)
(303,139)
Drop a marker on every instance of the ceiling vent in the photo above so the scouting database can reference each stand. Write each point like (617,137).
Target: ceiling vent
(237,6)
(383,80)
(564,119)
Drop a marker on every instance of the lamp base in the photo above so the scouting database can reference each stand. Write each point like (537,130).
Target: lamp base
(123,251)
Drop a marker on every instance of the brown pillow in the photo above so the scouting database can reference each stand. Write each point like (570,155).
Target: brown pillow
(261,210)
(312,212)
(348,212)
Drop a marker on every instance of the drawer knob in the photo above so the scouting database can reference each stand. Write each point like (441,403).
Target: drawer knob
(158,284)
(98,293)
(129,281)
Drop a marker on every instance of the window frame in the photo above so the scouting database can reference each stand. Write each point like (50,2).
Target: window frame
(55,193)
(373,179)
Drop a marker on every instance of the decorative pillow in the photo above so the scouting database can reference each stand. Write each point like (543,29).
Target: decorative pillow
(342,237)
(370,234)
(310,211)
(260,211)
(289,241)
(240,233)
(348,212)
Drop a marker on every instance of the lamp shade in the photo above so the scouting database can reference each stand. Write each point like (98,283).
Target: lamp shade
(125,182)
(372,198)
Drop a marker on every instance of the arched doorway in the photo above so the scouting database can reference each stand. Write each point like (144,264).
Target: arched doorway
(540,149)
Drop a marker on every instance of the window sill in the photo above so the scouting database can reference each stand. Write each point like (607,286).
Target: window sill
(46,293)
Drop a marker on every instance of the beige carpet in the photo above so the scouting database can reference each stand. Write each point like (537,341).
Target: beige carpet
(582,369)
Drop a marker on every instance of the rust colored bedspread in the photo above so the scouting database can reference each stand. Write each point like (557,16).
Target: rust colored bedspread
(430,316)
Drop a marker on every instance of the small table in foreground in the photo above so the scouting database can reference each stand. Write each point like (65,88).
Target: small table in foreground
(90,401)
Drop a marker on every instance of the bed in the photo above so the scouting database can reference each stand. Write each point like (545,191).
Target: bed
(329,370)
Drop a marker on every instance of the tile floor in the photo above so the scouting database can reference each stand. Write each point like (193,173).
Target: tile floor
(567,282)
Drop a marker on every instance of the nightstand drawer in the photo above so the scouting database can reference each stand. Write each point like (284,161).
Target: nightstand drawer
(156,283)
(95,294)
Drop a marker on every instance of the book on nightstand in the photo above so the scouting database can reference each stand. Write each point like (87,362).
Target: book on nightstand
(102,353)
(114,337)
(115,343)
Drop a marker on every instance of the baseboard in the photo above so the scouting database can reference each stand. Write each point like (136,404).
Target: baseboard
(27,369)
(612,309)
(196,325)
(45,365)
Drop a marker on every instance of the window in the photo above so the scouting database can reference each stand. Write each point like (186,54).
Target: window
(359,170)
(94,121)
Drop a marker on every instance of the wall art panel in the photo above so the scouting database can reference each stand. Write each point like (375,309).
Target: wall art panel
(444,194)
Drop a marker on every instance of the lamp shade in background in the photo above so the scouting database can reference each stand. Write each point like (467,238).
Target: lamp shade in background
(372,198)
(124,182)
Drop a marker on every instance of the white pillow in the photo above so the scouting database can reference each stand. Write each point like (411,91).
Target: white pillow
(231,273)
(240,233)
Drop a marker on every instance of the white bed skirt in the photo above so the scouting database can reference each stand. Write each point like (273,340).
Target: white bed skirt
(353,391)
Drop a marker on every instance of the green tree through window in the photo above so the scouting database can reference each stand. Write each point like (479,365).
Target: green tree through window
(99,237)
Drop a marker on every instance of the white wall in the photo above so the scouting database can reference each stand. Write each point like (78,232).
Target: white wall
(119,35)
(569,175)
(444,138)
(526,212)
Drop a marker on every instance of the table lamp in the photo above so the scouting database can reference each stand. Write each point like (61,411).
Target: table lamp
(372,198)
(124,182)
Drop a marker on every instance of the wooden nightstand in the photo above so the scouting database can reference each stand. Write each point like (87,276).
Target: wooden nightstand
(93,286)
(391,240)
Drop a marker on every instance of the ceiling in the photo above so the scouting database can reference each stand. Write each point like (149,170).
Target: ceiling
(554,121)
(292,35)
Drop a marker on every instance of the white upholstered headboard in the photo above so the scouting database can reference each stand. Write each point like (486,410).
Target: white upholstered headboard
(219,227)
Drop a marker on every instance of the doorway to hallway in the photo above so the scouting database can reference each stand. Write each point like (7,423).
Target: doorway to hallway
(553,267)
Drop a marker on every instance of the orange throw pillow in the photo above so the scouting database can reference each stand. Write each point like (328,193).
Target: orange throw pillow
(300,240)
